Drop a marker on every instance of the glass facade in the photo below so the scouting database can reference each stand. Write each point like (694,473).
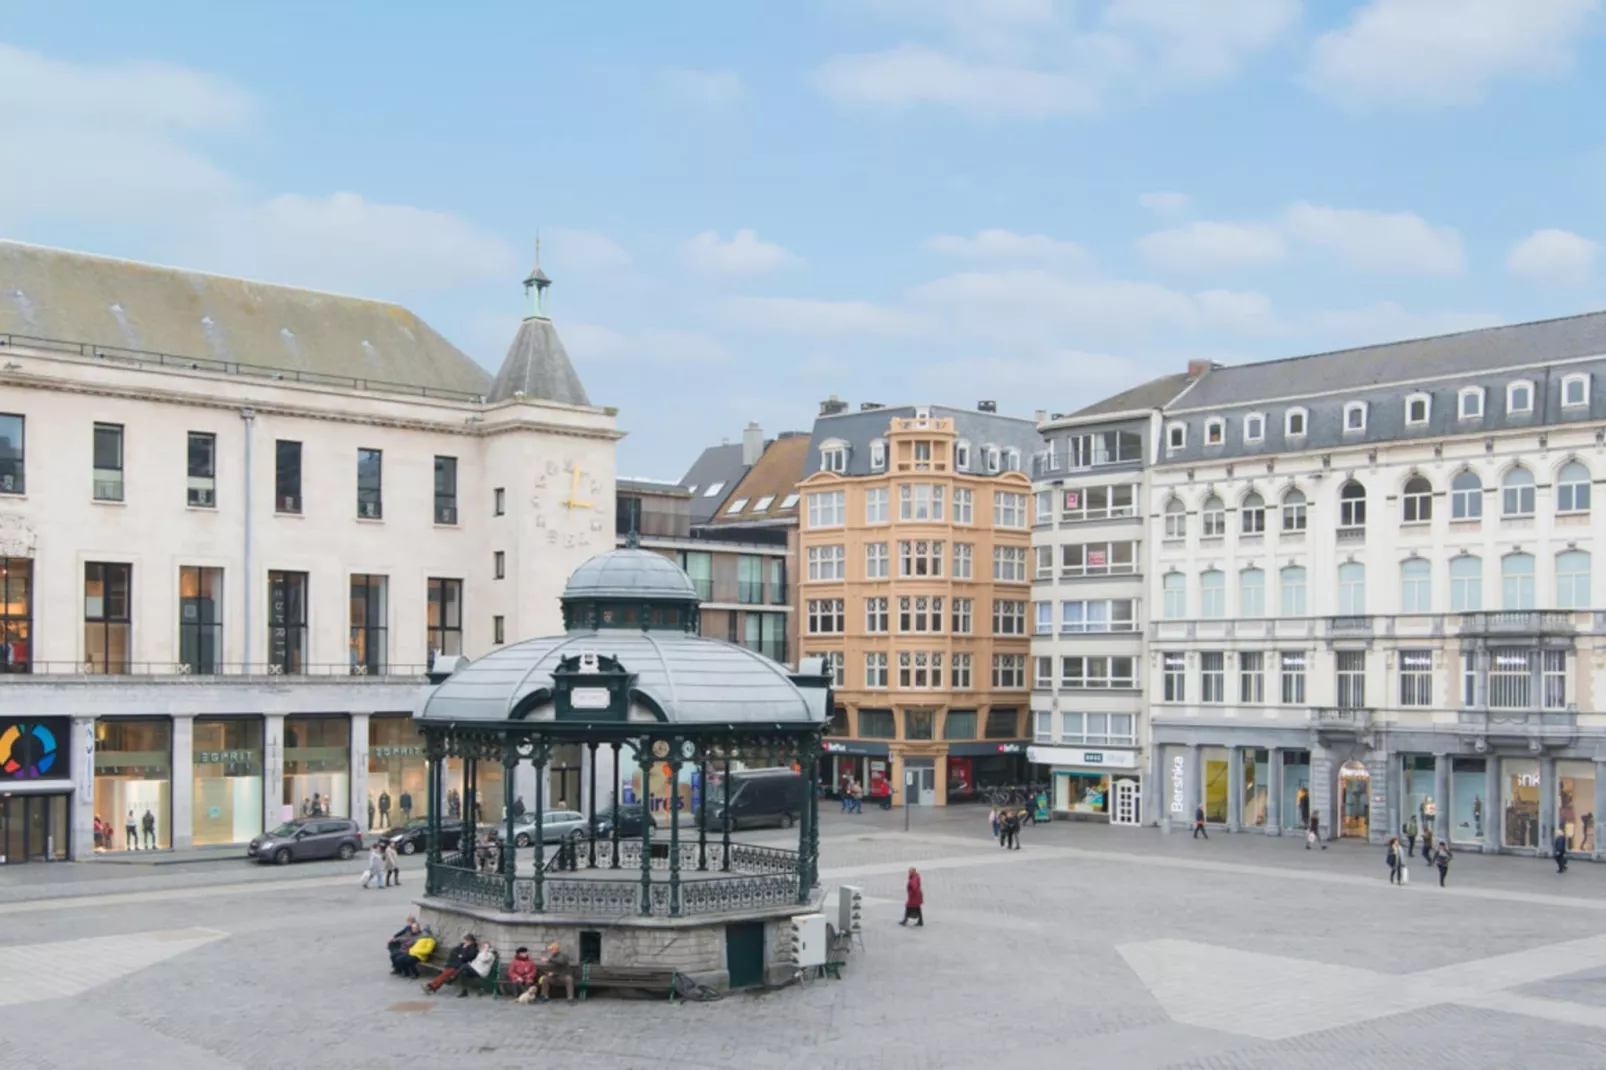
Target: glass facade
(1519,790)
(1257,783)
(1084,793)
(1296,789)
(1575,804)
(1355,786)
(488,776)
(317,766)
(16,614)
(398,773)
(133,779)
(33,828)
(1468,807)
(1216,783)
(227,767)
(1416,789)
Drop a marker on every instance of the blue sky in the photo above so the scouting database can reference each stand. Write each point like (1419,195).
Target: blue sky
(749,206)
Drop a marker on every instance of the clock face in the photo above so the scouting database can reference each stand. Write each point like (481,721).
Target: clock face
(566,500)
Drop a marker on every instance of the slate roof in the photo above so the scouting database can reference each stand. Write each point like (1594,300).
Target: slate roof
(719,466)
(770,481)
(980,429)
(1154,394)
(538,367)
(120,304)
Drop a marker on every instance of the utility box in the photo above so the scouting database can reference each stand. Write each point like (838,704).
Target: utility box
(808,940)
(849,910)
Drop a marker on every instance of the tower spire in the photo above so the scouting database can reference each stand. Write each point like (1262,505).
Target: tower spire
(535,286)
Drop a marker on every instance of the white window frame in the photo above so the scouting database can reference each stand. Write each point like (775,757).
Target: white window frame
(1213,518)
(1427,409)
(736,506)
(818,513)
(1465,502)
(1357,408)
(1519,500)
(1567,382)
(993,459)
(877,507)
(1474,411)
(1255,427)
(1511,390)
(1176,519)
(876,620)
(827,563)
(878,455)
(1176,437)
(961,455)
(875,670)
(1215,431)
(1288,423)
(1571,490)
(834,458)
(1012,460)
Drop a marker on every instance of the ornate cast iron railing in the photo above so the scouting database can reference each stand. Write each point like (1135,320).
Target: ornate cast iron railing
(465,885)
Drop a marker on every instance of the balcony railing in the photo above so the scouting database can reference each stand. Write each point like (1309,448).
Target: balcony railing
(181,670)
(1349,625)
(750,592)
(705,588)
(1351,536)
(1519,622)
(1341,719)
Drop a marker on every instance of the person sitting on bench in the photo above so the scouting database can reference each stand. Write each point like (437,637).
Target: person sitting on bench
(458,960)
(554,966)
(520,974)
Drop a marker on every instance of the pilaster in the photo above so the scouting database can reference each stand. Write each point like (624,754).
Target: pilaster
(183,784)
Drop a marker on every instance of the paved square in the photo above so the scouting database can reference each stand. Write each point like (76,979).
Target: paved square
(1089,947)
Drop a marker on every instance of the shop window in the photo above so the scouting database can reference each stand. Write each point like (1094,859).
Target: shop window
(1519,801)
(1217,784)
(1295,804)
(16,615)
(398,773)
(1469,804)
(1417,773)
(1257,786)
(1086,793)
(317,767)
(133,781)
(227,772)
(877,724)
(1575,804)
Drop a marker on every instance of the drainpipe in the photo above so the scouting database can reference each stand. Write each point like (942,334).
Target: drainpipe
(249,416)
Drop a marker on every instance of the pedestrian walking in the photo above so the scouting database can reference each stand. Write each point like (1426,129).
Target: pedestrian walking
(376,866)
(1010,823)
(148,824)
(992,821)
(855,797)
(392,864)
(1559,846)
(914,900)
(1198,822)
(1313,833)
(1409,831)
(518,806)
(1396,860)
(1427,843)
(1441,858)
(131,833)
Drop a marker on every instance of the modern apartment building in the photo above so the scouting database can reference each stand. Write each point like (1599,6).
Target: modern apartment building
(914,585)
(237,521)
(1373,590)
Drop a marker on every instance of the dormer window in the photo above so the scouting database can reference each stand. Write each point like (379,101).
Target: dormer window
(1519,398)
(763,504)
(1575,391)
(1294,423)
(834,456)
(878,455)
(1176,437)
(1354,417)
(1215,431)
(962,456)
(1254,427)
(1470,403)
(1013,460)
(993,458)
(1417,409)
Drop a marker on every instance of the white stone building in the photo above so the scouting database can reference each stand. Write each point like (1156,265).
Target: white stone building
(237,521)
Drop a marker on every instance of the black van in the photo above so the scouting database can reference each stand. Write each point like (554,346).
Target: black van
(757,797)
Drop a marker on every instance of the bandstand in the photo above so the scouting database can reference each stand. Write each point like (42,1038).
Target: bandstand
(654,706)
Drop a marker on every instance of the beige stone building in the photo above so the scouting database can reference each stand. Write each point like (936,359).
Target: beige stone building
(913,582)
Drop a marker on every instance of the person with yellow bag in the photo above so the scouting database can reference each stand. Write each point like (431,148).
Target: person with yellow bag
(409,947)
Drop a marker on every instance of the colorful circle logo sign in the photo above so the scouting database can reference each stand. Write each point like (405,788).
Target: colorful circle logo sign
(27,751)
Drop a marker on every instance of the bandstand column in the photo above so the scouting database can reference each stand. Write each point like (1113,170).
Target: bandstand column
(644,758)
(618,786)
(591,810)
(702,814)
(539,759)
(725,812)
(805,823)
(674,833)
(470,833)
(435,749)
(812,784)
(510,765)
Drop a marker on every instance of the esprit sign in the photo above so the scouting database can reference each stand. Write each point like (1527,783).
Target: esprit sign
(1179,772)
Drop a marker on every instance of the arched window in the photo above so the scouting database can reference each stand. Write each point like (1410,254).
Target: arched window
(1517,493)
(1213,594)
(1291,582)
(1252,515)
(1572,580)
(1572,488)
(1294,511)
(1466,584)
(1352,506)
(1466,496)
(1176,520)
(1416,586)
(1176,596)
(1418,499)
(1351,589)
(1251,593)
(1214,519)
(1517,581)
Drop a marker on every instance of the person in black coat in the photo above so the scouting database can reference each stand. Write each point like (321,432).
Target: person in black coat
(1560,849)
(1199,822)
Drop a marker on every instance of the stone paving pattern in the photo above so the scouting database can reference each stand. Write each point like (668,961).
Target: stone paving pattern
(1020,965)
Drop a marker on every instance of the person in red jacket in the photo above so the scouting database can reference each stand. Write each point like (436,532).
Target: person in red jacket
(914,900)
(520,974)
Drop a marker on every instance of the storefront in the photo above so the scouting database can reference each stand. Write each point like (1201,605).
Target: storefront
(1295,803)
(487,791)
(134,782)
(1520,787)
(979,768)
(1093,784)
(1469,783)
(1575,803)
(317,766)
(398,772)
(867,763)
(226,761)
(35,786)
(1355,800)
(1417,777)
(1217,787)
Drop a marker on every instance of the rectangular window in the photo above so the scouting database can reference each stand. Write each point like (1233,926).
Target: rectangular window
(1009,671)
(445,623)
(13,473)
(1212,676)
(108,617)
(1416,678)
(499,501)
(825,616)
(286,476)
(498,564)
(1554,679)
(1043,613)
(499,630)
(1009,510)
(875,505)
(875,670)
(827,509)
(920,557)
(918,724)
(1097,559)
(920,670)
(1002,724)
(16,614)
(920,614)
(1251,677)
(962,613)
(876,561)
(1252,593)
(825,563)
(875,614)
(445,490)
(963,560)
(1511,679)
(1097,672)
(964,505)
(1293,591)
(961,672)
(200,620)
(1009,617)
(1293,677)
(1043,673)
(1098,615)
(877,724)
(1352,679)
(1175,676)
(108,471)
(201,490)
(1009,564)
(369,641)
(920,501)
(287,623)
(1042,726)
(1469,679)
(959,724)
(370,484)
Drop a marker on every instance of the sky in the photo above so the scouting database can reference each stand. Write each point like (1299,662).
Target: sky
(749,206)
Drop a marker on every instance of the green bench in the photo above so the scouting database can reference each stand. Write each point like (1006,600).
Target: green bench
(626,978)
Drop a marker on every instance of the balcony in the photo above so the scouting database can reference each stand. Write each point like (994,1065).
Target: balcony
(1349,626)
(749,592)
(705,588)
(1522,727)
(1519,622)
(1351,536)
(1341,722)
(177,670)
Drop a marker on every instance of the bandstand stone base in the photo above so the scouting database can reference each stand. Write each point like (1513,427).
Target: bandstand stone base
(693,946)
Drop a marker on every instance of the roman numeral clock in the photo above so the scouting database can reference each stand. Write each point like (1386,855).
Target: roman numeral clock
(565,499)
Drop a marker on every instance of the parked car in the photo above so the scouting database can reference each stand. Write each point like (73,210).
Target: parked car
(559,825)
(630,822)
(756,797)
(307,838)
(413,837)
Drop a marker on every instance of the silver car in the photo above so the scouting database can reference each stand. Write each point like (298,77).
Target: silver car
(557,826)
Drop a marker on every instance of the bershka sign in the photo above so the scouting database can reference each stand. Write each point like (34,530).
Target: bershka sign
(1179,789)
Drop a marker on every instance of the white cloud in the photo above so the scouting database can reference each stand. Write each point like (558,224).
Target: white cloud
(914,74)
(1443,52)
(1208,246)
(996,245)
(796,315)
(587,252)
(744,254)
(1553,256)
(156,95)
(658,345)
(710,88)
(1386,321)
(1194,40)
(1165,204)
(1398,243)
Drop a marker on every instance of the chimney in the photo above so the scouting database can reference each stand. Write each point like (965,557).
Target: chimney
(752,443)
(1040,416)
(986,406)
(870,406)
(1196,368)
(833,405)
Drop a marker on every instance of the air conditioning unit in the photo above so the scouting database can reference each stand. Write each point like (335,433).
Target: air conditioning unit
(849,910)
(808,941)
(368,510)
(289,503)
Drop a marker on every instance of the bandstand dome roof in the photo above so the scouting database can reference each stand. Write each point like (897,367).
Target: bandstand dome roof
(639,575)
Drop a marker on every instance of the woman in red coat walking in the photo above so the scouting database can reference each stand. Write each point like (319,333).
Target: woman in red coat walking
(913,900)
